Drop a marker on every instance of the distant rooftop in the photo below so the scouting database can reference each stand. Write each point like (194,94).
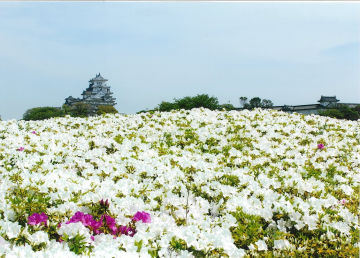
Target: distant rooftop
(328,99)
(98,77)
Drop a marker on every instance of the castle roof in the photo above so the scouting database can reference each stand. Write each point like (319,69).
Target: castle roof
(98,77)
(328,99)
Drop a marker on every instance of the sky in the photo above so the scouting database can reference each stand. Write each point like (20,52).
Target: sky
(289,53)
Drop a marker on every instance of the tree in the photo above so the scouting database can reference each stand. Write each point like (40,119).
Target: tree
(247,106)
(255,102)
(42,113)
(348,113)
(243,101)
(333,113)
(167,106)
(187,103)
(265,103)
(106,110)
(66,110)
(342,112)
(228,106)
(80,109)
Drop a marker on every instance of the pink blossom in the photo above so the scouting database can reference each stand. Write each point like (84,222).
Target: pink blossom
(110,222)
(143,216)
(36,219)
(320,146)
(92,238)
(343,201)
(124,230)
(87,220)
(106,203)
(94,225)
(79,216)
(33,132)
(20,149)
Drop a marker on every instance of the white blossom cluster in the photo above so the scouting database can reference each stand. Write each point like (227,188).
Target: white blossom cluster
(192,171)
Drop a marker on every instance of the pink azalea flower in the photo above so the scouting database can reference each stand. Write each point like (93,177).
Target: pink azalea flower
(95,225)
(106,203)
(20,149)
(78,216)
(320,146)
(128,231)
(33,132)
(36,219)
(92,238)
(143,216)
(87,220)
(110,222)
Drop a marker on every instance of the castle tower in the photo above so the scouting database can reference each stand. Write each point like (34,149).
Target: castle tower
(97,94)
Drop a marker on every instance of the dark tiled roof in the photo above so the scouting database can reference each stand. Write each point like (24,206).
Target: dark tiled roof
(328,99)
(98,78)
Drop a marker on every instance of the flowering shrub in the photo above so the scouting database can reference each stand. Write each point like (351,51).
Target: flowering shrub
(196,183)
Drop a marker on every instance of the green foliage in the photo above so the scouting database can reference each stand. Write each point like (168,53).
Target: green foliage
(42,113)
(266,103)
(243,101)
(188,103)
(66,110)
(106,110)
(80,109)
(255,102)
(228,106)
(342,112)
(76,244)
(27,201)
(167,106)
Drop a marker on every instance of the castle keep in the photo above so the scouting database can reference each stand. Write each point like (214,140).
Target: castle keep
(97,94)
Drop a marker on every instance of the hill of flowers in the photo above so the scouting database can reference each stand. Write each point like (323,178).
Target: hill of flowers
(196,183)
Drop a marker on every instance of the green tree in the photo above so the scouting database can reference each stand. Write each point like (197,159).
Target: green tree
(227,106)
(333,113)
(80,109)
(167,106)
(66,110)
(247,106)
(243,101)
(106,110)
(255,102)
(187,103)
(342,112)
(357,109)
(265,103)
(349,113)
(41,113)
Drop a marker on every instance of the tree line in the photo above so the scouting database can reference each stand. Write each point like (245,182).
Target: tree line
(342,112)
(76,110)
(212,103)
(204,100)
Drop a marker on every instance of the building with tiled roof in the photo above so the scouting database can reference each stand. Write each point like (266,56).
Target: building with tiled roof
(97,94)
(325,102)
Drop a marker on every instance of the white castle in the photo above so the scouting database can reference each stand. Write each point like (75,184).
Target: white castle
(97,94)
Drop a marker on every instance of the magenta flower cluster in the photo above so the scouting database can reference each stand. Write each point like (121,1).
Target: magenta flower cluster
(143,216)
(87,220)
(37,219)
(106,224)
(320,146)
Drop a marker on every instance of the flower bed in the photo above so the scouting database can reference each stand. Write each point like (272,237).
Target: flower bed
(196,183)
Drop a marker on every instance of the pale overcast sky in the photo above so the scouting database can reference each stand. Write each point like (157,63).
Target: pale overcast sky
(290,53)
